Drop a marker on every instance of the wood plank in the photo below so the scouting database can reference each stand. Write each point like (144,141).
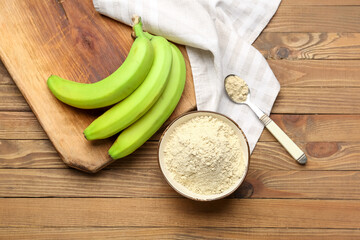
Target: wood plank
(20,125)
(304,73)
(4,75)
(175,212)
(301,128)
(315,19)
(318,101)
(61,233)
(292,100)
(29,154)
(317,128)
(42,154)
(301,184)
(149,183)
(321,156)
(292,46)
(292,73)
(335,74)
(66,183)
(319,2)
(11,99)
(319,73)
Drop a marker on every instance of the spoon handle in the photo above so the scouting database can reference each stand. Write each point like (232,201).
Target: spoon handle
(285,141)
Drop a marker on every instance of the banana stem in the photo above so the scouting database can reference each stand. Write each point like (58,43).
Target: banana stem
(138,26)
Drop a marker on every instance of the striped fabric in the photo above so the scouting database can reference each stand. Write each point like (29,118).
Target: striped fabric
(218,35)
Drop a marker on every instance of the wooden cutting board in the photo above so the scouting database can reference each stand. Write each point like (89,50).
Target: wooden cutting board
(70,39)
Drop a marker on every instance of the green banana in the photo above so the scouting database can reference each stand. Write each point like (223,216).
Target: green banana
(113,88)
(139,132)
(140,101)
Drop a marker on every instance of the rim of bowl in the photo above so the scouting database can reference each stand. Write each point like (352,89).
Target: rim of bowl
(189,196)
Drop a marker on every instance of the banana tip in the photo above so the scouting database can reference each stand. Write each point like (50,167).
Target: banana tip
(111,156)
(49,78)
(85,135)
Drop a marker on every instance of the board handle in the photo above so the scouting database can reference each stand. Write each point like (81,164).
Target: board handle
(284,140)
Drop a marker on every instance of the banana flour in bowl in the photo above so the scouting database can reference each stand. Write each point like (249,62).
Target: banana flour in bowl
(204,155)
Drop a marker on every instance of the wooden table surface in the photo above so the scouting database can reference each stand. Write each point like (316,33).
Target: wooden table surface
(313,47)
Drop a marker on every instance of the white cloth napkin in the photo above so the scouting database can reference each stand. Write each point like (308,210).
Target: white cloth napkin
(218,35)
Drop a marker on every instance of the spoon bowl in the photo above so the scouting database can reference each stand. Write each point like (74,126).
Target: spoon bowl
(247,101)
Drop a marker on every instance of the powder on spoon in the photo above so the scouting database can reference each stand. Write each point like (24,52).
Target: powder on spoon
(236,88)
(204,155)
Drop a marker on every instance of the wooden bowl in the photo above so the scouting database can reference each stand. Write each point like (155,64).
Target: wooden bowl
(180,188)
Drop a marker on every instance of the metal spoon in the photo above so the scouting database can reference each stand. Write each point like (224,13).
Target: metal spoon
(274,129)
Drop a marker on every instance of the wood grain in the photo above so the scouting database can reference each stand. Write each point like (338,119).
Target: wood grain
(312,47)
(302,73)
(321,156)
(40,154)
(302,184)
(149,183)
(316,74)
(71,183)
(175,212)
(337,19)
(128,183)
(176,233)
(290,74)
(20,125)
(11,99)
(317,128)
(29,154)
(301,128)
(294,46)
(74,42)
(294,100)
(320,2)
(4,75)
(318,100)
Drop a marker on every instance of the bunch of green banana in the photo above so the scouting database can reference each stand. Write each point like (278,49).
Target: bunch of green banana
(139,132)
(149,92)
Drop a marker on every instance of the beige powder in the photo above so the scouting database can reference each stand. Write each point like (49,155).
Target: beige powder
(236,88)
(204,155)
